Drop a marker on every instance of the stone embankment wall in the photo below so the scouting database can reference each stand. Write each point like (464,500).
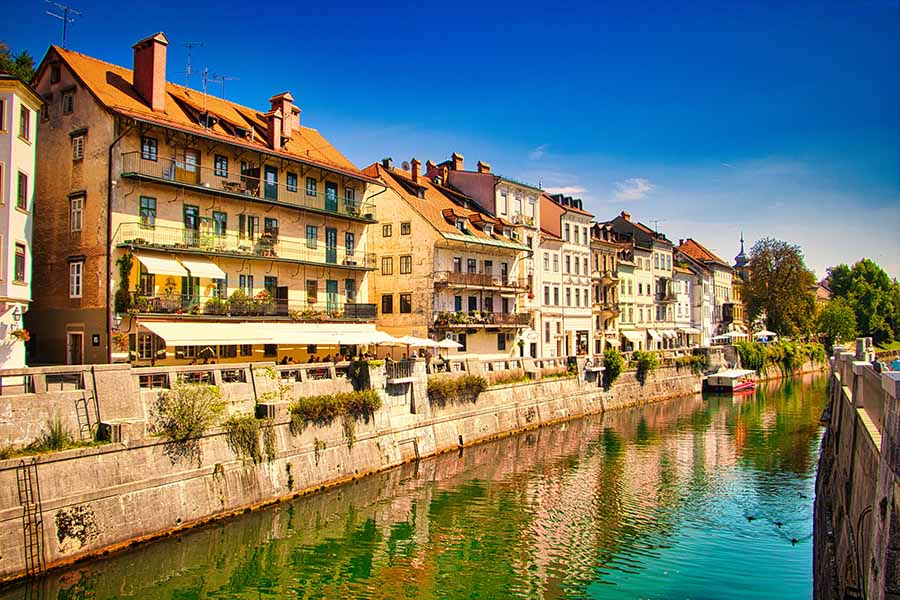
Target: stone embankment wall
(99,499)
(856,545)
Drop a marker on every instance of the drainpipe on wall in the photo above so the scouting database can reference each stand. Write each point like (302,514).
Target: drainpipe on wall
(109,195)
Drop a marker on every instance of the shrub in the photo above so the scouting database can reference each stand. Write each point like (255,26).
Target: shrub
(507,377)
(646,362)
(753,355)
(242,434)
(183,414)
(324,409)
(555,372)
(443,390)
(56,437)
(613,363)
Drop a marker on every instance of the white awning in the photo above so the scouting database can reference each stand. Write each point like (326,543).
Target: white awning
(670,333)
(690,330)
(162,265)
(654,334)
(200,267)
(177,333)
(634,337)
(613,342)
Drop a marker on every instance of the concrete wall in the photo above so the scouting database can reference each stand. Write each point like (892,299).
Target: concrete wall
(857,507)
(104,497)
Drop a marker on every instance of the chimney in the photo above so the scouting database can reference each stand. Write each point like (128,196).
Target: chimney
(274,120)
(414,166)
(457,161)
(149,77)
(290,114)
(681,242)
(429,166)
(387,163)
(626,215)
(483,167)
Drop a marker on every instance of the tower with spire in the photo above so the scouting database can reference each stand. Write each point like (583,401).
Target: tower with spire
(741,261)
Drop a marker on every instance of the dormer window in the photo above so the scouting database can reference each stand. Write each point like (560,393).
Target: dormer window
(507,232)
(460,224)
(488,228)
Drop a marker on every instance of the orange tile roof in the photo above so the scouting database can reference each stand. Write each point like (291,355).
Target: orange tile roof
(112,86)
(699,252)
(434,205)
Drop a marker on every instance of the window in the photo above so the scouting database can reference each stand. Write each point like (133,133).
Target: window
(473,303)
(349,243)
(228,351)
(457,303)
(22,194)
(387,265)
(471,265)
(585,261)
(246,350)
(386,230)
(78,147)
(460,224)
(25,123)
(547,295)
(504,203)
(501,341)
(220,166)
(148,212)
(2,114)
(312,349)
(311,185)
(488,304)
(577,269)
(270,350)
(68,102)
(54,73)
(312,289)
(387,304)
(556,263)
(76,213)
(270,227)
(568,296)
(568,264)
(406,264)
(19,265)
(566,234)
(656,261)
(555,295)
(245,282)
(312,236)
(577,297)
(248,226)
(220,223)
(457,264)
(220,291)
(291,182)
(350,290)
(149,148)
(546,261)
(349,196)
(75,271)
(405,228)
(585,235)
(405,303)
(547,332)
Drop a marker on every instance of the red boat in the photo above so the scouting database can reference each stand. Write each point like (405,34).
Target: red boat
(731,381)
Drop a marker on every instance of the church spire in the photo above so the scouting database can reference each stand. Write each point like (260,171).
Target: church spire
(741,259)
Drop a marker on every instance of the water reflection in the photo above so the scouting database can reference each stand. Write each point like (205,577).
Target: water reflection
(694,498)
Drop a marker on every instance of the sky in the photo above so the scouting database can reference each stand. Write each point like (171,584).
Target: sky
(705,120)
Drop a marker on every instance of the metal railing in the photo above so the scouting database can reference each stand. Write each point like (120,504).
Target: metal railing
(609,275)
(265,245)
(476,280)
(399,369)
(249,185)
(260,305)
(480,318)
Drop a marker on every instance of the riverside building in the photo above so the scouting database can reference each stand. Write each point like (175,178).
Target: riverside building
(167,219)
(605,306)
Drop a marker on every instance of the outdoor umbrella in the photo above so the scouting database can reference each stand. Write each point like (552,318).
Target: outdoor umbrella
(449,344)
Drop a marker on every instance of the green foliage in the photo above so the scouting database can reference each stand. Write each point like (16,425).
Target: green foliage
(555,373)
(613,364)
(836,322)
(507,377)
(324,409)
(752,355)
(695,362)
(281,393)
(646,362)
(442,390)
(183,414)
(874,297)
(242,434)
(780,288)
(21,65)
(787,355)
(239,301)
(56,437)
(122,296)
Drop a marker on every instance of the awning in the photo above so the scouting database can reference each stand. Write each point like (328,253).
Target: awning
(200,267)
(177,333)
(634,337)
(654,334)
(690,330)
(669,333)
(162,265)
(613,342)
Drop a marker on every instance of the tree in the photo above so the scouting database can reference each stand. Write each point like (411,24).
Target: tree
(836,322)
(780,288)
(21,65)
(874,298)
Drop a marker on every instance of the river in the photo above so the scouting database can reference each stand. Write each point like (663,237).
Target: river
(702,497)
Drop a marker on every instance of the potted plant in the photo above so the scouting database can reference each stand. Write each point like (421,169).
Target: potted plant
(120,347)
(238,302)
(262,302)
(215,306)
(20,335)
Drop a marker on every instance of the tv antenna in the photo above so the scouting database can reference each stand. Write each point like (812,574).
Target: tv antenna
(222,79)
(64,17)
(656,223)
(187,72)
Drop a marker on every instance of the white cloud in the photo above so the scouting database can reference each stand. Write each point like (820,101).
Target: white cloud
(539,152)
(633,188)
(569,190)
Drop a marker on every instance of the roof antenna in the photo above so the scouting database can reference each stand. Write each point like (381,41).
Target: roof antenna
(64,17)
(189,46)
(656,223)
(222,79)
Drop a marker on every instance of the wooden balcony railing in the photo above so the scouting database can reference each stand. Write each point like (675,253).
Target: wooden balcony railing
(484,280)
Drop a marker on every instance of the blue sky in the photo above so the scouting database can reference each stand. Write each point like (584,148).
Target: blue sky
(776,119)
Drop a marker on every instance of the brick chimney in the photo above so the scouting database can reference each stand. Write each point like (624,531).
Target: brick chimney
(275,122)
(290,114)
(483,167)
(456,160)
(149,78)
(414,166)
(626,215)
(429,167)
(387,163)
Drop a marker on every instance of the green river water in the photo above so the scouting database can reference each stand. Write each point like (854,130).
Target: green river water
(702,497)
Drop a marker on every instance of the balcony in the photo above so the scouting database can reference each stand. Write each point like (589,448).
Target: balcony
(666,297)
(240,305)
(268,246)
(605,276)
(247,186)
(477,318)
(607,309)
(477,280)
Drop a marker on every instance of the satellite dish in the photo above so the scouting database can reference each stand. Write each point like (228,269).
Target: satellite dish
(405,166)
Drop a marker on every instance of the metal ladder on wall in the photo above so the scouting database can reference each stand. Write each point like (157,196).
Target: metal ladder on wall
(32,522)
(82,413)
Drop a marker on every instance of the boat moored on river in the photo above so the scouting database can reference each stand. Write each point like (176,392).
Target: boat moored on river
(731,381)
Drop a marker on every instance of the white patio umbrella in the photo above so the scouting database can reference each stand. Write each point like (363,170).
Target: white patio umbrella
(764,333)
(448,344)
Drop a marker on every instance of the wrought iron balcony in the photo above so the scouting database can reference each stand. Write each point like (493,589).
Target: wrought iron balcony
(666,297)
(606,276)
(240,305)
(266,246)
(478,318)
(249,185)
(479,280)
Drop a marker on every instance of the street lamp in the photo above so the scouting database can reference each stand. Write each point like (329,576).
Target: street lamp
(17,314)
(117,320)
